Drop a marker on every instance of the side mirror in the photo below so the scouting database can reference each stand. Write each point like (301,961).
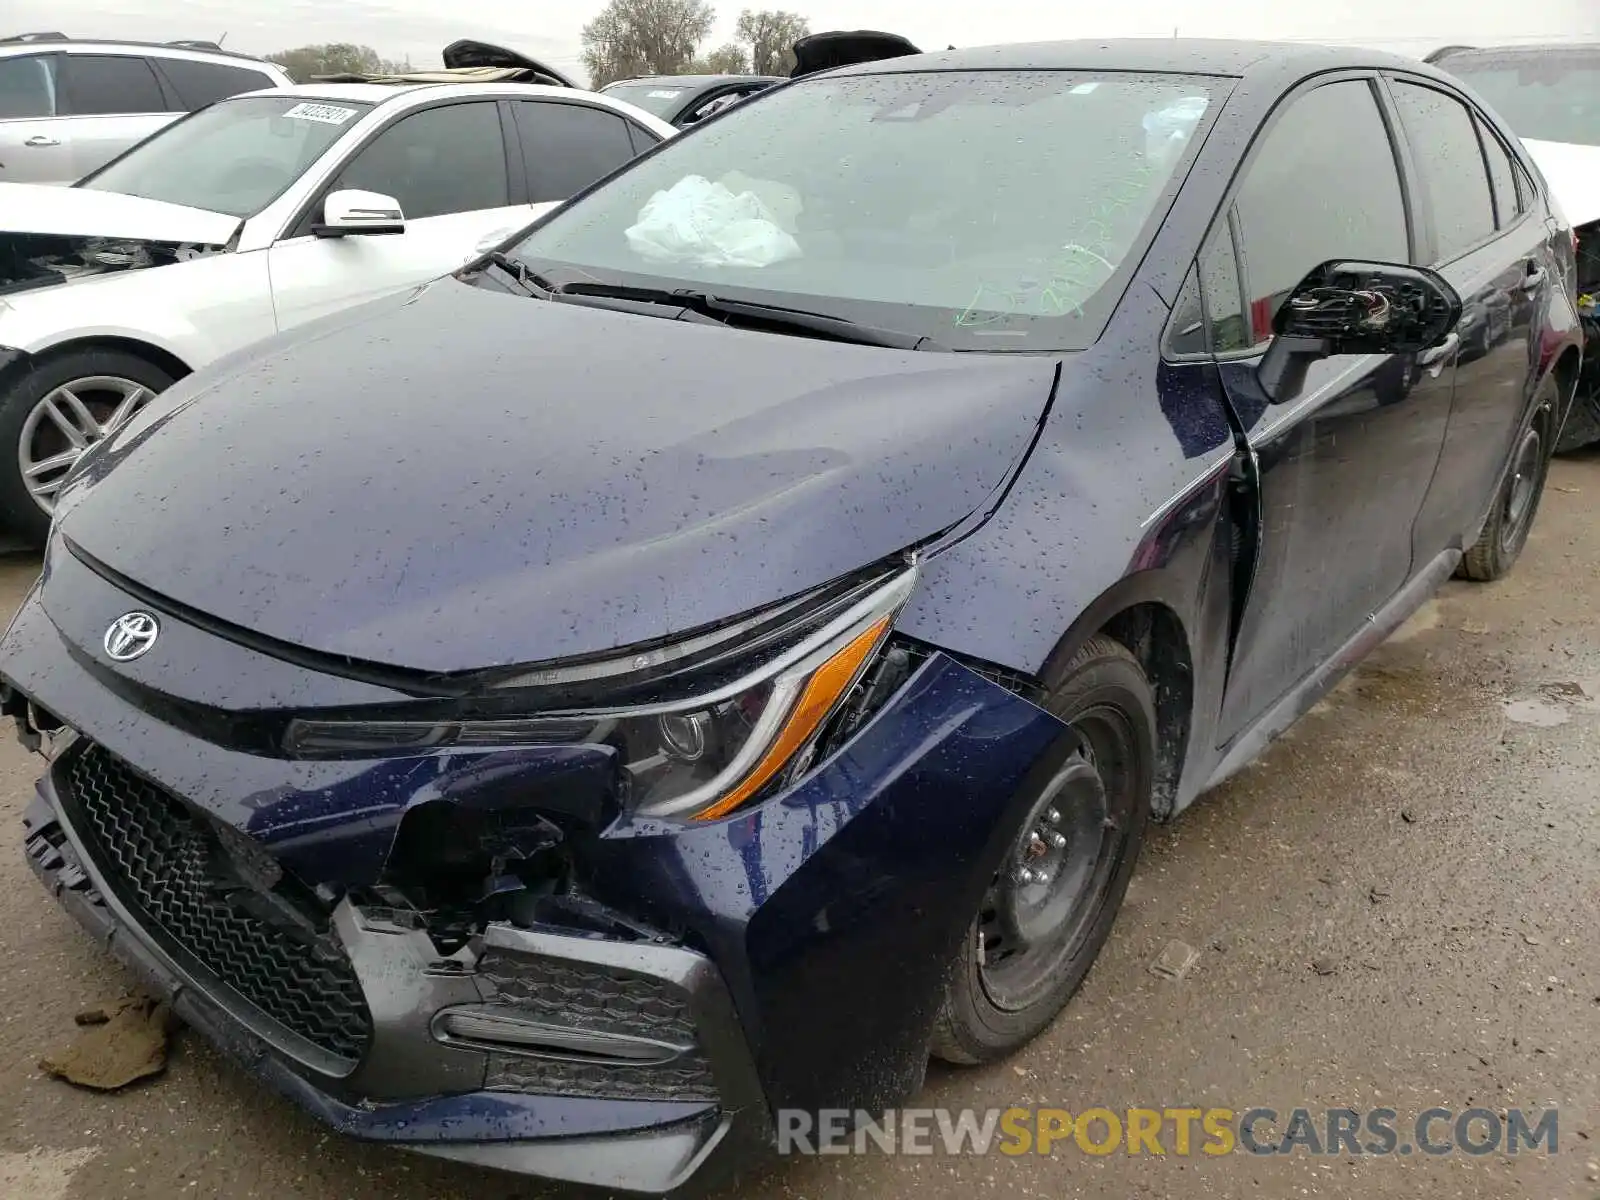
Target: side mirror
(1355,308)
(351,211)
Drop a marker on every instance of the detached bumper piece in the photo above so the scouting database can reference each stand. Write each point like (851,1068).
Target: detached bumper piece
(616,1064)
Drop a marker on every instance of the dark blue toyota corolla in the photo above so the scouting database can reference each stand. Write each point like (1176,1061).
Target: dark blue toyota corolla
(727,644)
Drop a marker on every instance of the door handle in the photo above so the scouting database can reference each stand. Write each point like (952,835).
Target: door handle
(1533,278)
(40,139)
(1434,358)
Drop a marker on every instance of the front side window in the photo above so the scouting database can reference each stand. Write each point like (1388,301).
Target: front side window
(983,210)
(235,157)
(1549,96)
(1455,182)
(108,84)
(27,87)
(439,161)
(1322,186)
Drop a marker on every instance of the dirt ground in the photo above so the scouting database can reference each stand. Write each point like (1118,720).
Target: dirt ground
(1399,906)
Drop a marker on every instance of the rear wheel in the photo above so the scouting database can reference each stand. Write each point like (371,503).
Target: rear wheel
(1504,535)
(55,412)
(1052,903)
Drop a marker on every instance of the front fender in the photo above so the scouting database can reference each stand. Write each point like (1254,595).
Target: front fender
(835,911)
(193,311)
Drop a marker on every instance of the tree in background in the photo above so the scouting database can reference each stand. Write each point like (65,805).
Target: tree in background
(644,37)
(724,60)
(335,58)
(770,34)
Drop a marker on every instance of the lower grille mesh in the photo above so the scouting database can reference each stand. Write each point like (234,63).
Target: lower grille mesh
(157,856)
(603,1000)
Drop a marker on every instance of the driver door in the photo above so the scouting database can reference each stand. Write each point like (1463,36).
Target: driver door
(448,168)
(1344,463)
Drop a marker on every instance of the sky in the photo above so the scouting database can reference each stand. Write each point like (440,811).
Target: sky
(549,29)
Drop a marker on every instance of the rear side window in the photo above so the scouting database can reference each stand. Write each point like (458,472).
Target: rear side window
(27,87)
(435,162)
(1502,178)
(1445,146)
(1323,185)
(566,147)
(106,84)
(201,83)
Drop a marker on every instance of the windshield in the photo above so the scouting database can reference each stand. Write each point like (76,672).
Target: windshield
(658,99)
(983,210)
(235,157)
(1551,97)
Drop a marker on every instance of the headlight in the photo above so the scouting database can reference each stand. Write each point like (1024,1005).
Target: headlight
(701,757)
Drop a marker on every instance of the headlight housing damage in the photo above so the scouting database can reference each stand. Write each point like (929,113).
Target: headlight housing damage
(701,756)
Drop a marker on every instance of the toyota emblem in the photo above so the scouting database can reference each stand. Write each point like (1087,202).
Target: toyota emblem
(131,635)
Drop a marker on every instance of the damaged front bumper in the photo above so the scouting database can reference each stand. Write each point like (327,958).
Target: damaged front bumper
(464,1097)
(791,956)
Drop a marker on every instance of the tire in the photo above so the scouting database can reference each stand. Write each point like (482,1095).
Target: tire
(111,385)
(1516,504)
(1000,997)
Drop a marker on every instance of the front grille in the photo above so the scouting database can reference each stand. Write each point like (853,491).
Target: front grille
(603,1000)
(157,855)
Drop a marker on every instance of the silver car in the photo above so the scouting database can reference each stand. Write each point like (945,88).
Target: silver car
(68,106)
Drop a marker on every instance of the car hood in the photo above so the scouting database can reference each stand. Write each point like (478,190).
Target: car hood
(461,479)
(1573,173)
(87,212)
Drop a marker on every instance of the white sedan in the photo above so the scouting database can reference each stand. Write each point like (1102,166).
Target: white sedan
(262,211)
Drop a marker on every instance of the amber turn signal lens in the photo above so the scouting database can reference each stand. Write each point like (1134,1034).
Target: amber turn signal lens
(823,691)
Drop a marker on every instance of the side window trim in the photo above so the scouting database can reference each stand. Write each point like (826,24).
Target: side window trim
(519,185)
(1519,185)
(1388,80)
(169,90)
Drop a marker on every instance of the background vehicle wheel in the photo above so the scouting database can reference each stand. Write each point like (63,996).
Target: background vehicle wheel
(55,412)
(1506,532)
(1058,889)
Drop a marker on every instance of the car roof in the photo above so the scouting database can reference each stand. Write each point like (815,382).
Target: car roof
(694,81)
(406,95)
(43,45)
(1199,56)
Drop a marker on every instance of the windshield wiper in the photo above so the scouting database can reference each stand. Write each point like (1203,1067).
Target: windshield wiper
(527,280)
(839,329)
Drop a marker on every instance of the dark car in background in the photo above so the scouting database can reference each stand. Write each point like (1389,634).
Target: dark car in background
(747,662)
(687,99)
(1550,97)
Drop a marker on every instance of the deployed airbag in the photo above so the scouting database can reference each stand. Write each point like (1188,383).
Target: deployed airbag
(703,222)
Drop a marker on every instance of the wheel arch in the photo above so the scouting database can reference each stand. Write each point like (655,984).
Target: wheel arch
(1140,614)
(157,356)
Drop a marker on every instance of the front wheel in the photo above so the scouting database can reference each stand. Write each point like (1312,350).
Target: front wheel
(1051,905)
(55,412)
(1505,533)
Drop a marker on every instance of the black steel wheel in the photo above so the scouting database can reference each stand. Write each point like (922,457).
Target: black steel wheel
(1516,504)
(1056,894)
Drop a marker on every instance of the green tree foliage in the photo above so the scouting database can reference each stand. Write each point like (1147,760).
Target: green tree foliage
(644,37)
(770,34)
